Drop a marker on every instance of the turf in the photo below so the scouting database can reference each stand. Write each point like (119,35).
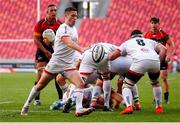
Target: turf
(14,89)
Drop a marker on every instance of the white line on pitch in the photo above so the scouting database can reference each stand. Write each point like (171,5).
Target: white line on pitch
(6,102)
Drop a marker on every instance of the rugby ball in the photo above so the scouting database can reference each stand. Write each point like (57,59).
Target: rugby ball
(49,34)
(98,53)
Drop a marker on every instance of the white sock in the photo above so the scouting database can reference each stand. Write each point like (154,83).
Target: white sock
(78,93)
(64,87)
(135,93)
(127,96)
(107,92)
(157,92)
(96,92)
(32,95)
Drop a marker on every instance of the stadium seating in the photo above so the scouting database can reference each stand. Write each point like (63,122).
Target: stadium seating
(17,50)
(125,15)
(18,18)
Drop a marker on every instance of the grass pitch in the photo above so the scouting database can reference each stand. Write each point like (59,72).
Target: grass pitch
(14,89)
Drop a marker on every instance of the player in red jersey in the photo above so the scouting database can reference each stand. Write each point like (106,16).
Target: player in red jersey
(162,37)
(44,50)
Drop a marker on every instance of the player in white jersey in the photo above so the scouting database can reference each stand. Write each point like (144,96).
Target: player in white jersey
(95,58)
(119,67)
(61,62)
(145,59)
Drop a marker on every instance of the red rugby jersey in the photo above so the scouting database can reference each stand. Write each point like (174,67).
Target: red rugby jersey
(44,24)
(160,36)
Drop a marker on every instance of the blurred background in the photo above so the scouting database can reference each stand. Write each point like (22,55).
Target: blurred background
(98,21)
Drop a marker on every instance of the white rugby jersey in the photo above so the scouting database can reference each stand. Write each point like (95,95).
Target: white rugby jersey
(140,49)
(62,53)
(88,65)
(107,46)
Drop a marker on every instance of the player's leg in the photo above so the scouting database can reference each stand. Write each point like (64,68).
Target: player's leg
(40,65)
(154,73)
(115,99)
(130,80)
(76,79)
(62,82)
(164,76)
(44,80)
(96,92)
(106,89)
(136,97)
(119,84)
(157,91)
(133,75)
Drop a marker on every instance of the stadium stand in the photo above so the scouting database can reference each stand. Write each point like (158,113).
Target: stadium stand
(125,15)
(18,19)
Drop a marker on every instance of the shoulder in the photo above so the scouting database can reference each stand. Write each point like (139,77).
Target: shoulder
(147,34)
(58,21)
(40,22)
(163,32)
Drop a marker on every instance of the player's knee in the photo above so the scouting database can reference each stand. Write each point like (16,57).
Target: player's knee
(99,82)
(164,78)
(155,84)
(134,77)
(127,83)
(105,76)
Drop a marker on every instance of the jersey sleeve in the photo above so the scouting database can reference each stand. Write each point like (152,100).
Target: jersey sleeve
(122,48)
(37,29)
(154,43)
(147,35)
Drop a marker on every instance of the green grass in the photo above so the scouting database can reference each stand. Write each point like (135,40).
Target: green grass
(14,89)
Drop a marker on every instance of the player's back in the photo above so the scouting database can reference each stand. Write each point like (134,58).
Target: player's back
(140,49)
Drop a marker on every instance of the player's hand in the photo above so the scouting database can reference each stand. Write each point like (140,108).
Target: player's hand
(48,54)
(168,59)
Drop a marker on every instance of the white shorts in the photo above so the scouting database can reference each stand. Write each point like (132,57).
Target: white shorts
(54,69)
(121,65)
(150,66)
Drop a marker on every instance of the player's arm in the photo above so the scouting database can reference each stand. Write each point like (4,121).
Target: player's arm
(37,40)
(161,50)
(171,51)
(40,46)
(113,55)
(70,43)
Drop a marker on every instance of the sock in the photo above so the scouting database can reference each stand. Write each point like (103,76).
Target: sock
(107,92)
(88,93)
(78,94)
(157,92)
(135,94)
(166,96)
(127,96)
(38,95)
(96,92)
(64,87)
(60,93)
(32,94)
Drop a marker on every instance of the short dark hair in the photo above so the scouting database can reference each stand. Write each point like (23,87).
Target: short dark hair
(136,33)
(154,19)
(70,9)
(51,5)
